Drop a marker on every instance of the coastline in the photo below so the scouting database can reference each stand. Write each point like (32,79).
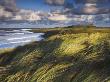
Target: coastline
(64,52)
(10,38)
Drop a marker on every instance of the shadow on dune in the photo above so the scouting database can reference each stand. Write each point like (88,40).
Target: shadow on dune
(44,64)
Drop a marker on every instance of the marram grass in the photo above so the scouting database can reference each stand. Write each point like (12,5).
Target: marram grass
(80,57)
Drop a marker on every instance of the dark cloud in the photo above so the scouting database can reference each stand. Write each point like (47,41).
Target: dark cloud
(55,2)
(9,5)
(92,1)
(92,6)
(67,4)
(7,9)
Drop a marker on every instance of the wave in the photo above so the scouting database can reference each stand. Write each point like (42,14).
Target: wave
(26,37)
(14,39)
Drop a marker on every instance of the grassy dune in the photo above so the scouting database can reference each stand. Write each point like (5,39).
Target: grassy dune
(64,56)
(6,50)
(74,29)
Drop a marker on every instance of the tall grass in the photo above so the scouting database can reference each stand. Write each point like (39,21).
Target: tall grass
(62,57)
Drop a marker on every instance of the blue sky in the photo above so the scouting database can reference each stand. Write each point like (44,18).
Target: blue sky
(37,4)
(33,4)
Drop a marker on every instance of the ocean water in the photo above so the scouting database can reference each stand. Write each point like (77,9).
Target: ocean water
(13,38)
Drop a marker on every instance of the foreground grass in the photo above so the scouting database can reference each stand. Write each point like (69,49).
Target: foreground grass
(63,56)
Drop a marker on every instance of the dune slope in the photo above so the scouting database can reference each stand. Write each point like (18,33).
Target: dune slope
(79,57)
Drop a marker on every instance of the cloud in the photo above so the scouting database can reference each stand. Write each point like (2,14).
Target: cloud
(7,9)
(55,2)
(64,3)
(58,18)
(28,15)
(92,6)
(83,6)
(92,1)
(67,5)
(4,14)
(9,5)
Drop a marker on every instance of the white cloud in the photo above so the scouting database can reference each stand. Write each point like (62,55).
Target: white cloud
(58,17)
(4,13)
(17,17)
(28,15)
(22,14)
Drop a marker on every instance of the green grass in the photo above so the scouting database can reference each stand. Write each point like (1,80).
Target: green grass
(64,56)
(73,29)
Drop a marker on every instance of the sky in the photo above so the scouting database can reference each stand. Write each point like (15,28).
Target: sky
(10,9)
(67,10)
(35,5)
(32,4)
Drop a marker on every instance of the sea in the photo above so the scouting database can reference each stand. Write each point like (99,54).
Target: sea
(17,33)
(11,38)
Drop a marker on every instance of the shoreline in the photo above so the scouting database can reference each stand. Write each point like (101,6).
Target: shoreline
(13,38)
(52,31)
